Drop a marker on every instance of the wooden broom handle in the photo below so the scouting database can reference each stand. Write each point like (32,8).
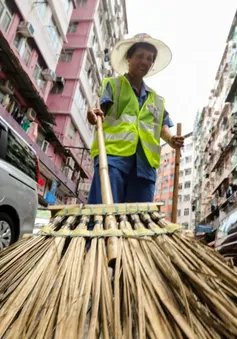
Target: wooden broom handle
(176,178)
(106,192)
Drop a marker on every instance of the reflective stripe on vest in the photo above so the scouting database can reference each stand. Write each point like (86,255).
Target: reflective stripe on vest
(120,136)
(125,123)
(124,118)
(152,148)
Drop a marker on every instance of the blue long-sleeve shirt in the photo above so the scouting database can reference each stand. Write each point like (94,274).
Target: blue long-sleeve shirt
(125,164)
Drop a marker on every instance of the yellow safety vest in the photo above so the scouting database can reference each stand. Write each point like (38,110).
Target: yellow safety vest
(125,123)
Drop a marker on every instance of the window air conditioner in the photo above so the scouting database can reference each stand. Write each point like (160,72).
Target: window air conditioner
(31,115)
(45,146)
(6,86)
(26,29)
(49,75)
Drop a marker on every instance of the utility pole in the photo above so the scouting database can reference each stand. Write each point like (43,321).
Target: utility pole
(176,178)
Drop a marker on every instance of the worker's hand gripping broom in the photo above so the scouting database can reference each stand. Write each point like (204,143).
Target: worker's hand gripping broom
(106,192)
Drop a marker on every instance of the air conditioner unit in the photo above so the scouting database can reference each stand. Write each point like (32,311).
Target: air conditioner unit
(31,115)
(60,80)
(26,29)
(70,162)
(6,86)
(70,201)
(76,175)
(49,75)
(232,75)
(45,146)
(99,54)
(68,172)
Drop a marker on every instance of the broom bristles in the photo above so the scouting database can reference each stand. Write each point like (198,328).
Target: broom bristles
(164,284)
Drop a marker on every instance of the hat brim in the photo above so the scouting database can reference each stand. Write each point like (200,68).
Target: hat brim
(119,52)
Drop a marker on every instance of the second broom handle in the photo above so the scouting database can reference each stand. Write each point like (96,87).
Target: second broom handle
(107,197)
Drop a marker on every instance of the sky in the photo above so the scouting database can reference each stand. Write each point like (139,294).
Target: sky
(196,32)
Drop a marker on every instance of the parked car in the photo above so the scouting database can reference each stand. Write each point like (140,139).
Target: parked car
(226,237)
(19,173)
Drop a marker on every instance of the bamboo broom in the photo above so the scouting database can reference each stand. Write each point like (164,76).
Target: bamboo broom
(57,284)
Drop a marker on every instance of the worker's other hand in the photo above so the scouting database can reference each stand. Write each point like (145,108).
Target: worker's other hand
(176,141)
(92,114)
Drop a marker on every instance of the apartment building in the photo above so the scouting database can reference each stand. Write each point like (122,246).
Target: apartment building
(50,71)
(94,28)
(215,173)
(165,182)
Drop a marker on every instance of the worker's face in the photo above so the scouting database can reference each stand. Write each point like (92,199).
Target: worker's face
(140,62)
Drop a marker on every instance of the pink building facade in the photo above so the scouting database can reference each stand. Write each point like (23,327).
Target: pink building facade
(50,72)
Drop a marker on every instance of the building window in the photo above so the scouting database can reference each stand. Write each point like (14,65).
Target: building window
(170,201)
(179,213)
(37,74)
(171,176)
(23,48)
(66,5)
(81,3)
(166,178)
(188,171)
(81,103)
(72,27)
(189,147)
(186,211)
(185,224)
(171,188)
(165,190)
(72,131)
(181,173)
(179,198)
(187,197)
(5,16)
(53,34)
(66,56)
(169,214)
(188,159)
(41,8)
(180,186)
(187,184)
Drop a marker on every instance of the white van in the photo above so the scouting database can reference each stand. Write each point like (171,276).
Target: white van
(19,174)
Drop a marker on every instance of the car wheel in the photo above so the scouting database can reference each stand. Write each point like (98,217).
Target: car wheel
(7,232)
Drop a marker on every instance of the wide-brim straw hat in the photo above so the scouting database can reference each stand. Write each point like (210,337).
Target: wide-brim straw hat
(119,52)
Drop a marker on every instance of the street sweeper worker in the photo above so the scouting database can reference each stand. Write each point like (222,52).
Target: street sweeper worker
(134,120)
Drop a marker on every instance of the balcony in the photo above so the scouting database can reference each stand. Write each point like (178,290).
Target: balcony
(220,155)
(44,159)
(223,177)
